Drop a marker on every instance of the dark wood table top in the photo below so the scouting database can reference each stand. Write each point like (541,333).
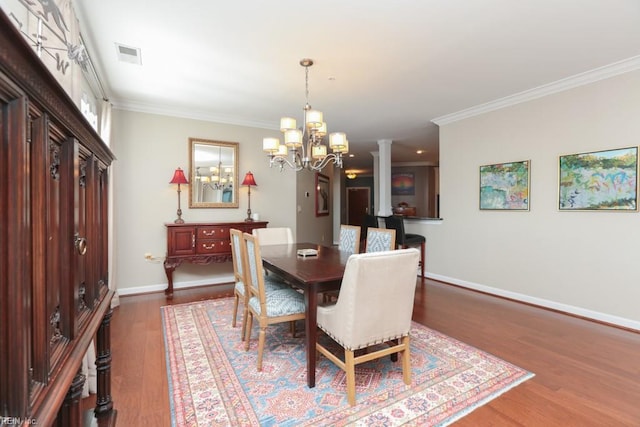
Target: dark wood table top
(327,266)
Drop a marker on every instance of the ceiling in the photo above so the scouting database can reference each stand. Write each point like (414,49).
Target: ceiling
(383,70)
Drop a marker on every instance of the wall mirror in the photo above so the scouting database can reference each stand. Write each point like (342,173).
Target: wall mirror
(214,174)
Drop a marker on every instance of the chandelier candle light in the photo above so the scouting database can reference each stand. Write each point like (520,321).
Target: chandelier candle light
(305,146)
(179,178)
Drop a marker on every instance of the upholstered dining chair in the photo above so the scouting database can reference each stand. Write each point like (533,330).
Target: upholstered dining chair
(349,240)
(274,235)
(283,305)
(370,312)
(240,294)
(406,240)
(380,239)
(367,221)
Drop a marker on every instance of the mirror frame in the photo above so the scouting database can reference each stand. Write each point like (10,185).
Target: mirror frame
(193,142)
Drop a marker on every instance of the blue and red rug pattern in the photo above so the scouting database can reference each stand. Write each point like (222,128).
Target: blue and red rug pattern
(213,381)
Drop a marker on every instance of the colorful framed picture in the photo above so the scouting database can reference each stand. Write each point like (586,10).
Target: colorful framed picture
(599,181)
(403,184)
(323,195)
(505,186)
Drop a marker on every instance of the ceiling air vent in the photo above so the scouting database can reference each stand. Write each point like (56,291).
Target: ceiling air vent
(128,54)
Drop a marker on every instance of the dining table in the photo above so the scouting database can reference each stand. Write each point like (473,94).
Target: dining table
(312,275)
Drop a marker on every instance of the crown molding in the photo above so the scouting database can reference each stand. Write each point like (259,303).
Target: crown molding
(601,73)
(190,114)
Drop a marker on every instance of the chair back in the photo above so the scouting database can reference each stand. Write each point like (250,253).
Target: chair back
(368,221)
(237,255)
(396,222)
(255,272)
(380,239)
(349,239)
(274,236)
(376,298)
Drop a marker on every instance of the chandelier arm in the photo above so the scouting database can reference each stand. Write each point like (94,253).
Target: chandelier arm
(320,164)
(282,160)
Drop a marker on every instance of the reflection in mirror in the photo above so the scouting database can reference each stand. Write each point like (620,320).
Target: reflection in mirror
(214,174)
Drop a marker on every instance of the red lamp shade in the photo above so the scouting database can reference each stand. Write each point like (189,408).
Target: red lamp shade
(249,179)
(179,178)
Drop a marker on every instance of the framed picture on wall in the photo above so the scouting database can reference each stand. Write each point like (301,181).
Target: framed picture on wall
(599,181)
(403,184)
(322,195)
(505,186)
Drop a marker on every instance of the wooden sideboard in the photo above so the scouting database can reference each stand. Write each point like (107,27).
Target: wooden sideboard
(54,279)
(200,243)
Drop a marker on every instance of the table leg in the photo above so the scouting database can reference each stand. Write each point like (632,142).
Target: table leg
(311,305)
(169,268)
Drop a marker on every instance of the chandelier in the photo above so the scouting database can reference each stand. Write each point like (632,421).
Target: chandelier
(304,147)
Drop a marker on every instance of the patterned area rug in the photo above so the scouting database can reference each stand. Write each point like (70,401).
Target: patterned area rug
(214,382)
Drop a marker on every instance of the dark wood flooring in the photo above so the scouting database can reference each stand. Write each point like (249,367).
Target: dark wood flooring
(587,374)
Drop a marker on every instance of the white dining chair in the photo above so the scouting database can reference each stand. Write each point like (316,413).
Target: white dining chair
(374,306)
(273,235)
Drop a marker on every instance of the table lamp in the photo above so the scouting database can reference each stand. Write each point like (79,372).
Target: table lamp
(249,180)
(179,178)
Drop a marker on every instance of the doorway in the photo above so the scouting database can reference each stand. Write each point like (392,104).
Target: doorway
(358,204)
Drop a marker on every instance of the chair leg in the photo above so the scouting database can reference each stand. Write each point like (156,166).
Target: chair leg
(236,299)
(422,261)
(406,361)
(247,334)
(350,370)
(244,323)
(261,340)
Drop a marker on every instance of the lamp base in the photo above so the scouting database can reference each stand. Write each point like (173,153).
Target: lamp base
(248,220)
(179,221)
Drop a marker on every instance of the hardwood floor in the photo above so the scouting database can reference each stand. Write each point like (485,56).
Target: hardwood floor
(587,374)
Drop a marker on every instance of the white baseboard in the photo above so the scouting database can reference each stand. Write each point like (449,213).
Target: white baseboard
(176,285)
(565,308)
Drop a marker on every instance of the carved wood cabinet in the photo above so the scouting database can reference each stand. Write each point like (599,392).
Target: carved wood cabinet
(54,295)
(200,243)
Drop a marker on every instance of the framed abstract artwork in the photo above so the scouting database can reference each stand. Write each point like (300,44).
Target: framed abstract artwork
(505,186)
(322,195)
(599,181)
(403,184)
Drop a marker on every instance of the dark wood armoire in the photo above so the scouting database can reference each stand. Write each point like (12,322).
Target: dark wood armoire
(54,294)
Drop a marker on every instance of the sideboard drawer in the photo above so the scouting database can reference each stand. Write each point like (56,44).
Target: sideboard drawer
(210,246)
(213,232)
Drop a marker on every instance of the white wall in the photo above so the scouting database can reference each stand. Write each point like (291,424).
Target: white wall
(149,148)
(580,262)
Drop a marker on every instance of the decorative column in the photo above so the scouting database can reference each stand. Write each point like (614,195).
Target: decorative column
(71,412)
(384,194)
(376,183)
(104,404)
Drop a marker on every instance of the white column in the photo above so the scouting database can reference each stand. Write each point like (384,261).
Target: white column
(384,173)
(376,183)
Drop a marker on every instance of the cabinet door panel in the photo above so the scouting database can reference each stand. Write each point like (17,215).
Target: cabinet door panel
(181,241)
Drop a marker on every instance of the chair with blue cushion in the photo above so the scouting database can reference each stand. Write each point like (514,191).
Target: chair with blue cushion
(268,308)
(349,238)
(380,239)
(406,240)
(367,221)
(238,256)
